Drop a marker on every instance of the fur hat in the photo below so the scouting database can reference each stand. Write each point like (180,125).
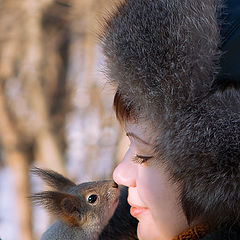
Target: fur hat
(164,57)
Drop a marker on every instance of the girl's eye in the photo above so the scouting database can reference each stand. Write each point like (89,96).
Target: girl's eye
(92,198)
(141,159)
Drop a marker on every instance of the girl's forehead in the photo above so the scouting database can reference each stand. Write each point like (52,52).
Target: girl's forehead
(142,130)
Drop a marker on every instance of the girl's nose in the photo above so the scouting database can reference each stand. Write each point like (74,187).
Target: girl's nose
(125,172)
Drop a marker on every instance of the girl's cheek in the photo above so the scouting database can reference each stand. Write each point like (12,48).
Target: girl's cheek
(148,187)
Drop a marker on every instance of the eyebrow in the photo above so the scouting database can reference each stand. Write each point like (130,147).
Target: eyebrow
(130,134)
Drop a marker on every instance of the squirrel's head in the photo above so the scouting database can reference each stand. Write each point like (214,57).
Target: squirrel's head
(87,205)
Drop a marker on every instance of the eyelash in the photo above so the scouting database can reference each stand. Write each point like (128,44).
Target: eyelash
(141,159)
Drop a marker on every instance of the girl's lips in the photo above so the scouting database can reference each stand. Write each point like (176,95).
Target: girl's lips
(135,211)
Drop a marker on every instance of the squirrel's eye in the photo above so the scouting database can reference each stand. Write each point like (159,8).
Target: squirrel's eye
(92,198)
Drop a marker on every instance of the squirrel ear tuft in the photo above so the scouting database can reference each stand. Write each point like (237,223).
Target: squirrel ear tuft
(53,179)
(66,207)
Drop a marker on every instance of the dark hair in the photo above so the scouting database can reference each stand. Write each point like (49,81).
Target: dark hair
(123,112)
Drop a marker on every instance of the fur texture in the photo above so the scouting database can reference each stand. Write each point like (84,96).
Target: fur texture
(163,56)
(162,53)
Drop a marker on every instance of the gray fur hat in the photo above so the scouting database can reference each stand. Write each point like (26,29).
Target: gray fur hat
(164,57)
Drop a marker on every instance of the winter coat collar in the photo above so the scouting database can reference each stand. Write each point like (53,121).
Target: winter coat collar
(201,231)
(194,233)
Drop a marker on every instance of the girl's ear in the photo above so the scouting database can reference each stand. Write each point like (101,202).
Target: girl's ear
(67,207)
(53,179)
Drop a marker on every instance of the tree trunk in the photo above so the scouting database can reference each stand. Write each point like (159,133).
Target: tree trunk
(17,160)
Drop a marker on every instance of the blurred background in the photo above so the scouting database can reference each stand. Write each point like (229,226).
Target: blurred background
(55,104)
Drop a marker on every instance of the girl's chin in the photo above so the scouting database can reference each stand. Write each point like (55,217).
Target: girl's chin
(147,229)
(143,233)
(139,234)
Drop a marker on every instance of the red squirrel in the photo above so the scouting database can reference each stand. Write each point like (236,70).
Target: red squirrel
(91,211)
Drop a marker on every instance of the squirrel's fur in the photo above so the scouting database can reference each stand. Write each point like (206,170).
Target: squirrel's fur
(164,56)
(77,218)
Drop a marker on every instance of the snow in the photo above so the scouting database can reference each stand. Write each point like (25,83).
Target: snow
(8,222)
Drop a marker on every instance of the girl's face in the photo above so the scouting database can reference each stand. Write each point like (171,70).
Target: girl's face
(153,198)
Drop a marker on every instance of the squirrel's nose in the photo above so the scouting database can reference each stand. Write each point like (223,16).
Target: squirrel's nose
(115,185)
